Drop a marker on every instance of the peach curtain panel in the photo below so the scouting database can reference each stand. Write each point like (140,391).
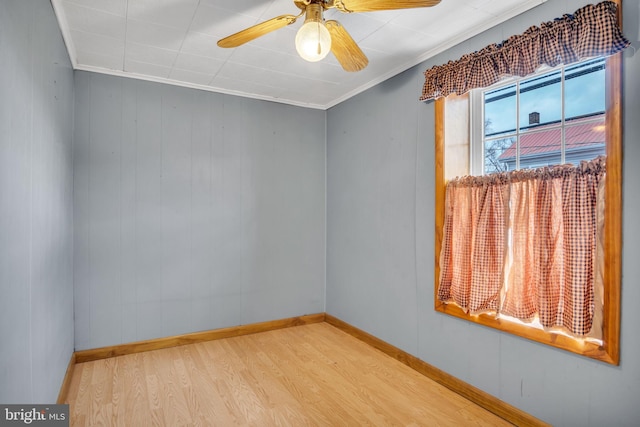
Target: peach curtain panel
(525,244)
(473,248)
(591,31)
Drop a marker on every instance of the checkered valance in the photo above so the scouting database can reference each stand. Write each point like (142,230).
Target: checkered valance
(591,31)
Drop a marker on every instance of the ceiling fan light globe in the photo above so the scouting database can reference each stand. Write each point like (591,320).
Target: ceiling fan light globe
(313,41)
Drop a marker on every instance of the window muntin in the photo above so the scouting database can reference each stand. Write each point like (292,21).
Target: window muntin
(553,117)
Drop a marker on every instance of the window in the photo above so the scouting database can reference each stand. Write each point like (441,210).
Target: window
(566,130)
(553,117)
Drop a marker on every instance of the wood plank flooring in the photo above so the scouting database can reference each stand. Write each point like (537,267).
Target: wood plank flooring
(311,375)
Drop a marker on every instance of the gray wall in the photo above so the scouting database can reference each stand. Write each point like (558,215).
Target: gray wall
(193,210)
(36,283)
(380,249)
(197,211)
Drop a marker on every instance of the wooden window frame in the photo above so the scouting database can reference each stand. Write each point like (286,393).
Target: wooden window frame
(609,351)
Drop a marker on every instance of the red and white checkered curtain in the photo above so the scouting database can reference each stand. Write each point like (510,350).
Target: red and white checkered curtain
(524,243)
(591,31)
(473,249)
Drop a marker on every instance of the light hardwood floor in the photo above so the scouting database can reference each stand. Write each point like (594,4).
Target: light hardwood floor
(305,375)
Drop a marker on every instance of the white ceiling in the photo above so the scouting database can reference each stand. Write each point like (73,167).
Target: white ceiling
(174,41)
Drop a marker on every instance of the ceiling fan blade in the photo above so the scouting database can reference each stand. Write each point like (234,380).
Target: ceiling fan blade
(377,5)
(256,31)
(345,49)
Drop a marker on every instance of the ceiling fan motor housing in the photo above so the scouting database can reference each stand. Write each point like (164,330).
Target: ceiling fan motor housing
(313,13)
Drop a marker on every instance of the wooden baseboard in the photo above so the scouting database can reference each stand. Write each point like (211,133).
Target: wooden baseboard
(475,395)
(196,337)
(66,381)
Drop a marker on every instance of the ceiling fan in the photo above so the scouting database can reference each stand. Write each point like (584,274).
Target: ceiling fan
(317,37)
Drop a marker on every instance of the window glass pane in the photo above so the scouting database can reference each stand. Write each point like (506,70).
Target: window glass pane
(499,111)
(584,140)
(500,155)
(584,89)
(539,149)
(530,112)
(541,100)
